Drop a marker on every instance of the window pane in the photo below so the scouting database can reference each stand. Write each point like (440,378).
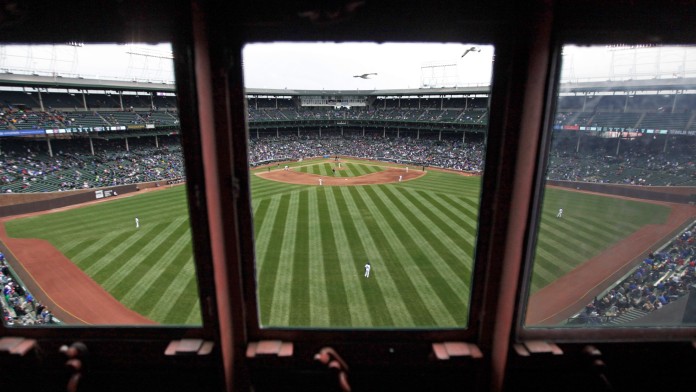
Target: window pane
(95,226)
(366,163)
(615,246)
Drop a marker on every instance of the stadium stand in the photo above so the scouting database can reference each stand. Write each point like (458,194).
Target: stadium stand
(637,161)
(664,277)
(641,161)
(19,307)
(445,154)
(27,167)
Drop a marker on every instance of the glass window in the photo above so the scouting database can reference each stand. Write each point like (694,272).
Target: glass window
(366,162)
(95,222)
(617,226)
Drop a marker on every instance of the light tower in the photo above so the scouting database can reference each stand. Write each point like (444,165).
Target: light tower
(150,63)
(436,74)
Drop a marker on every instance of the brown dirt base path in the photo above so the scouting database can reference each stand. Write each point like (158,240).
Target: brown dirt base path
(70,294)
(563,298)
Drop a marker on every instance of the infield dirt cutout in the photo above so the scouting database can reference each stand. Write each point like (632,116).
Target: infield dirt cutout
(382,177)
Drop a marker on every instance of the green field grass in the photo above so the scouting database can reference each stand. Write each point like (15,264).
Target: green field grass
(312,243)
(150,269)
(590,224)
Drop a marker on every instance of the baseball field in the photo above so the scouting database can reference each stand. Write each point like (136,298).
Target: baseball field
(312,242)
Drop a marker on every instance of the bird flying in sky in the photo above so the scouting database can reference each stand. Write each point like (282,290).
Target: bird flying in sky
(471,49)
(364,76)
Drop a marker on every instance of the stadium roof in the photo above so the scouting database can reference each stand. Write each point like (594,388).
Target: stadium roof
(380,93)
(55,81)
(631,85)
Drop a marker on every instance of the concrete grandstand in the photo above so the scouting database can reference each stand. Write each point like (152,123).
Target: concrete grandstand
(598,126)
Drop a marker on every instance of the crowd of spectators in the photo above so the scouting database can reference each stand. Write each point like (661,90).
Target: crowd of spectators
(600,160)
(662,278)
(27,119)
(19,307)
(56,118)
(13,118)
(440,153)
(28,168)
(455,110)
(637,163)
(369,113)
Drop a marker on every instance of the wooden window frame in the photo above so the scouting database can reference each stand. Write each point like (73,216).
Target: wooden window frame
(208,38)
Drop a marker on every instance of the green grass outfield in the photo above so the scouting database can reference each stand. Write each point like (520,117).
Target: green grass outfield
(149,269)
(312,243)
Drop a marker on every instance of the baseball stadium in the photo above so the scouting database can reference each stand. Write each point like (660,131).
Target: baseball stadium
(94,223)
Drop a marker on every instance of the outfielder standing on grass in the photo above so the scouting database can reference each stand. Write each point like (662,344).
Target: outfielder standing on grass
(137,223)
(367,269)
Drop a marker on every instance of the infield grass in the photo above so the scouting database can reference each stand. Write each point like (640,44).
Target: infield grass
(347,169)
(312,243)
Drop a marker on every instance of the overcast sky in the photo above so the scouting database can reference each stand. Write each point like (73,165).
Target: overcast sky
(123,62)
(333,66)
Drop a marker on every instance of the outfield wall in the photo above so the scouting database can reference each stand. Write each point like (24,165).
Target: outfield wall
(66,200)
(671,194)
(9,199)
(26,203)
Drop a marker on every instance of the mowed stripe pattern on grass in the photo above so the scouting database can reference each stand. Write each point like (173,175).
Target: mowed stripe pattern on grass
(347,169)
(590,224)
(148,269)
(313,242)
